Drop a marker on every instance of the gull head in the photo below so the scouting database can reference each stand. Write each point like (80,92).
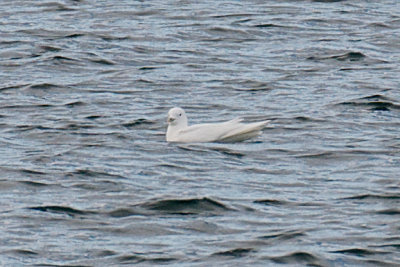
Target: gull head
(177,116)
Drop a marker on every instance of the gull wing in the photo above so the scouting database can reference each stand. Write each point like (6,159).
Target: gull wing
(243,132)
(230,131)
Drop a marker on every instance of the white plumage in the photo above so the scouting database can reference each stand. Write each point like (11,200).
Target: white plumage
(229,131)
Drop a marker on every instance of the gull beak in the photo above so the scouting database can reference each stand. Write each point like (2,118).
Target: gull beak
(170,119)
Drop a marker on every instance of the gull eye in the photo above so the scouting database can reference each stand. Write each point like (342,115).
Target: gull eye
(180,114)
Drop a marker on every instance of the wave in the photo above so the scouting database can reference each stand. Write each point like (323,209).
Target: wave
(360,252)
(374,197)
(192,206)
(373,102)
(186,206)
(302,257)
(284,235)
(349,56)
(235,253)
(61,210)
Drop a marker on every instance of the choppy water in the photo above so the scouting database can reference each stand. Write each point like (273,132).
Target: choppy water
(86,177)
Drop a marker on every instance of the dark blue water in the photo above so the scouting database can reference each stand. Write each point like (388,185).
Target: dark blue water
(87,179)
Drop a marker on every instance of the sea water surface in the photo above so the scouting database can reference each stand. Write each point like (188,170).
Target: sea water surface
(87,178)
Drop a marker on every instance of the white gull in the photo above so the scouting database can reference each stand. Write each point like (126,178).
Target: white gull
(229,131)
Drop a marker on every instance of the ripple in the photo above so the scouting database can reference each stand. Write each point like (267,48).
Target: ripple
(138,123)
(375,197)
(298,257)
(374,103)
(360,252)
(123,212)
(33,183)
(186,206)
(61,210)
(43,86)
(276,202)
(393,211)
(23,253)
(235,253)
(136,259)
(349,56)
(284,235)
(195,206)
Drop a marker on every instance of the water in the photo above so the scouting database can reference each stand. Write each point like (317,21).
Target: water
(87,179)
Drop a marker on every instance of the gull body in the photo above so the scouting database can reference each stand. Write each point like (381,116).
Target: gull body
(229,131)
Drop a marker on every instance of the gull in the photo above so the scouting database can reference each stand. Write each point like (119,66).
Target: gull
(228,131)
